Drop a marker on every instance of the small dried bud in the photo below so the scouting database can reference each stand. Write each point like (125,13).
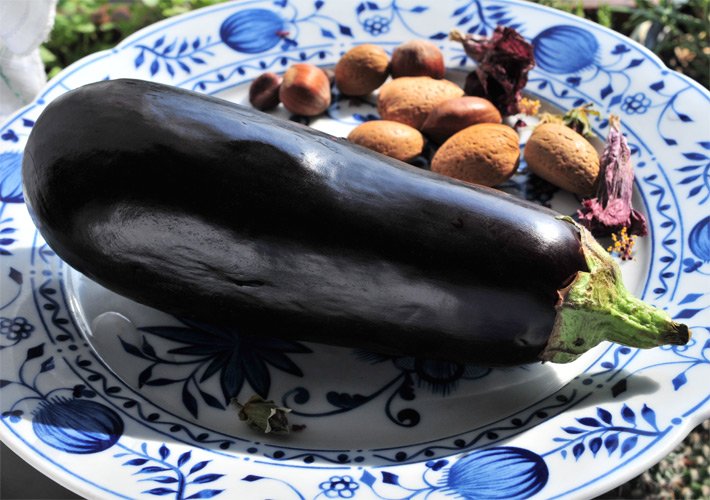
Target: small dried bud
(264,416)
(578,119)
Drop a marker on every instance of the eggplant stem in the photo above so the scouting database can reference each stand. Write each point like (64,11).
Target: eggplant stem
(596,307)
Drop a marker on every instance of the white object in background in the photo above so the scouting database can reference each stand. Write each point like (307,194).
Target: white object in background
(24,25)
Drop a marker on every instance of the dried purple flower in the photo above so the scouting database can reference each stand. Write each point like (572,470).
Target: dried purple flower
(611,210)
(503,60)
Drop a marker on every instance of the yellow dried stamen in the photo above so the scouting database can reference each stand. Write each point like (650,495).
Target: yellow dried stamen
(622,245)
(529,106)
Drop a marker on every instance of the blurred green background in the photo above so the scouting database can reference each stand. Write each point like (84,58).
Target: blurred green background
(676,30)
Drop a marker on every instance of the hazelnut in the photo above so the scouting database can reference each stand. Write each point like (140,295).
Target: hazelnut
(418,58)
(361,70)
(393,139)
(563,157)
(410,99)
(264,91)
(456,114)
(305,90)
(486,154)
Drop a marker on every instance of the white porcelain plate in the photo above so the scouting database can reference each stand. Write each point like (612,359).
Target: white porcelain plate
(113,399)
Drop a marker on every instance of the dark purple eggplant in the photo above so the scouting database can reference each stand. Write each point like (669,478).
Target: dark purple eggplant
(220,213)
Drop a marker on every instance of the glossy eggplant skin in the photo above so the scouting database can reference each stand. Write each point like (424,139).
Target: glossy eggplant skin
(209,210)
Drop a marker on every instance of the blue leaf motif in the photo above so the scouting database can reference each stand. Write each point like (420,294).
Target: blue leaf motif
(136,461)
(649,416)
(251,478)
(589,422)
(460,10)
(657,85)
(606,91)
(595,445)
(420,8)
(151,469)
(573,430)
(679,381)
(360,8)
(578,450)
(439,36)
(695,156)
(699,239)
(615,100)
(154,67)
(198,466)
(611,442)
(684,118)
(389,478)
(704,144)
(184,458)
(139,59)
(184,67)
(628,445)
(160,491)
(205,494)
(368,479)
(164,452)
(206,478)
(634,63)
(163,479)
(318,4)
(628,414)
(326,33)
(687,313)
(159,42)
(604,415)
(344,30)
(183,47)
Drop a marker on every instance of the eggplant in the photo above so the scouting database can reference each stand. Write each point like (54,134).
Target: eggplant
(223,214)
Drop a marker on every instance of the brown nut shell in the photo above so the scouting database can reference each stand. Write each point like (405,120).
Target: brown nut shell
(410,99)
(563,157)
(418,58)
(393,139)
(486,154)
(361,70)
(264,91)
(456,114)
(305,90)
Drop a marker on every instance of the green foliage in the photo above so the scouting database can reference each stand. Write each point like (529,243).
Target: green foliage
(83,27)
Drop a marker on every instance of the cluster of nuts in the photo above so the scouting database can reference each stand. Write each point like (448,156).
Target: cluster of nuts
(416,103)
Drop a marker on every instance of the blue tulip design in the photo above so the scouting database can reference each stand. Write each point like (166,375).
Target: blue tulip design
(699,240)
(11,178)
(565,49)
(503,472)
(77,425)
(252,30)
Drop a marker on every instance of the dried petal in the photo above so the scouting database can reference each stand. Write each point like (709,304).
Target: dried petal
(611,210)
(503,60)
(263,415)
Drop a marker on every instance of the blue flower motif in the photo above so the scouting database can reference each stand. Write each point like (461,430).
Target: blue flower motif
(503,472)
(699,240)
(339,487)
(225,351)
(77,425)
(636,104)
(15,328)
(565,49)
(252,30)
(376,25)
(11,178)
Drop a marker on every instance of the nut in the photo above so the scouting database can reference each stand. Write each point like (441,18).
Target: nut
(410,99)
(418,58)
(361,70)
(305,90)
(454,115)
(563,157)
(393,139)
(264,91)
(486,154)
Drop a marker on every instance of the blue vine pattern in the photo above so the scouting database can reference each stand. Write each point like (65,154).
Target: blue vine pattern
(174,475)
(601,431)
(697,173)
(176,54)
(376,19)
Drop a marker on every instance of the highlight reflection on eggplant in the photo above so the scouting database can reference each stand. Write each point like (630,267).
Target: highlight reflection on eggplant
(216,212)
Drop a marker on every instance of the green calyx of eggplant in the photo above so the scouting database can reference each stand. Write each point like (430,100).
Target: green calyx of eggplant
(596,307)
